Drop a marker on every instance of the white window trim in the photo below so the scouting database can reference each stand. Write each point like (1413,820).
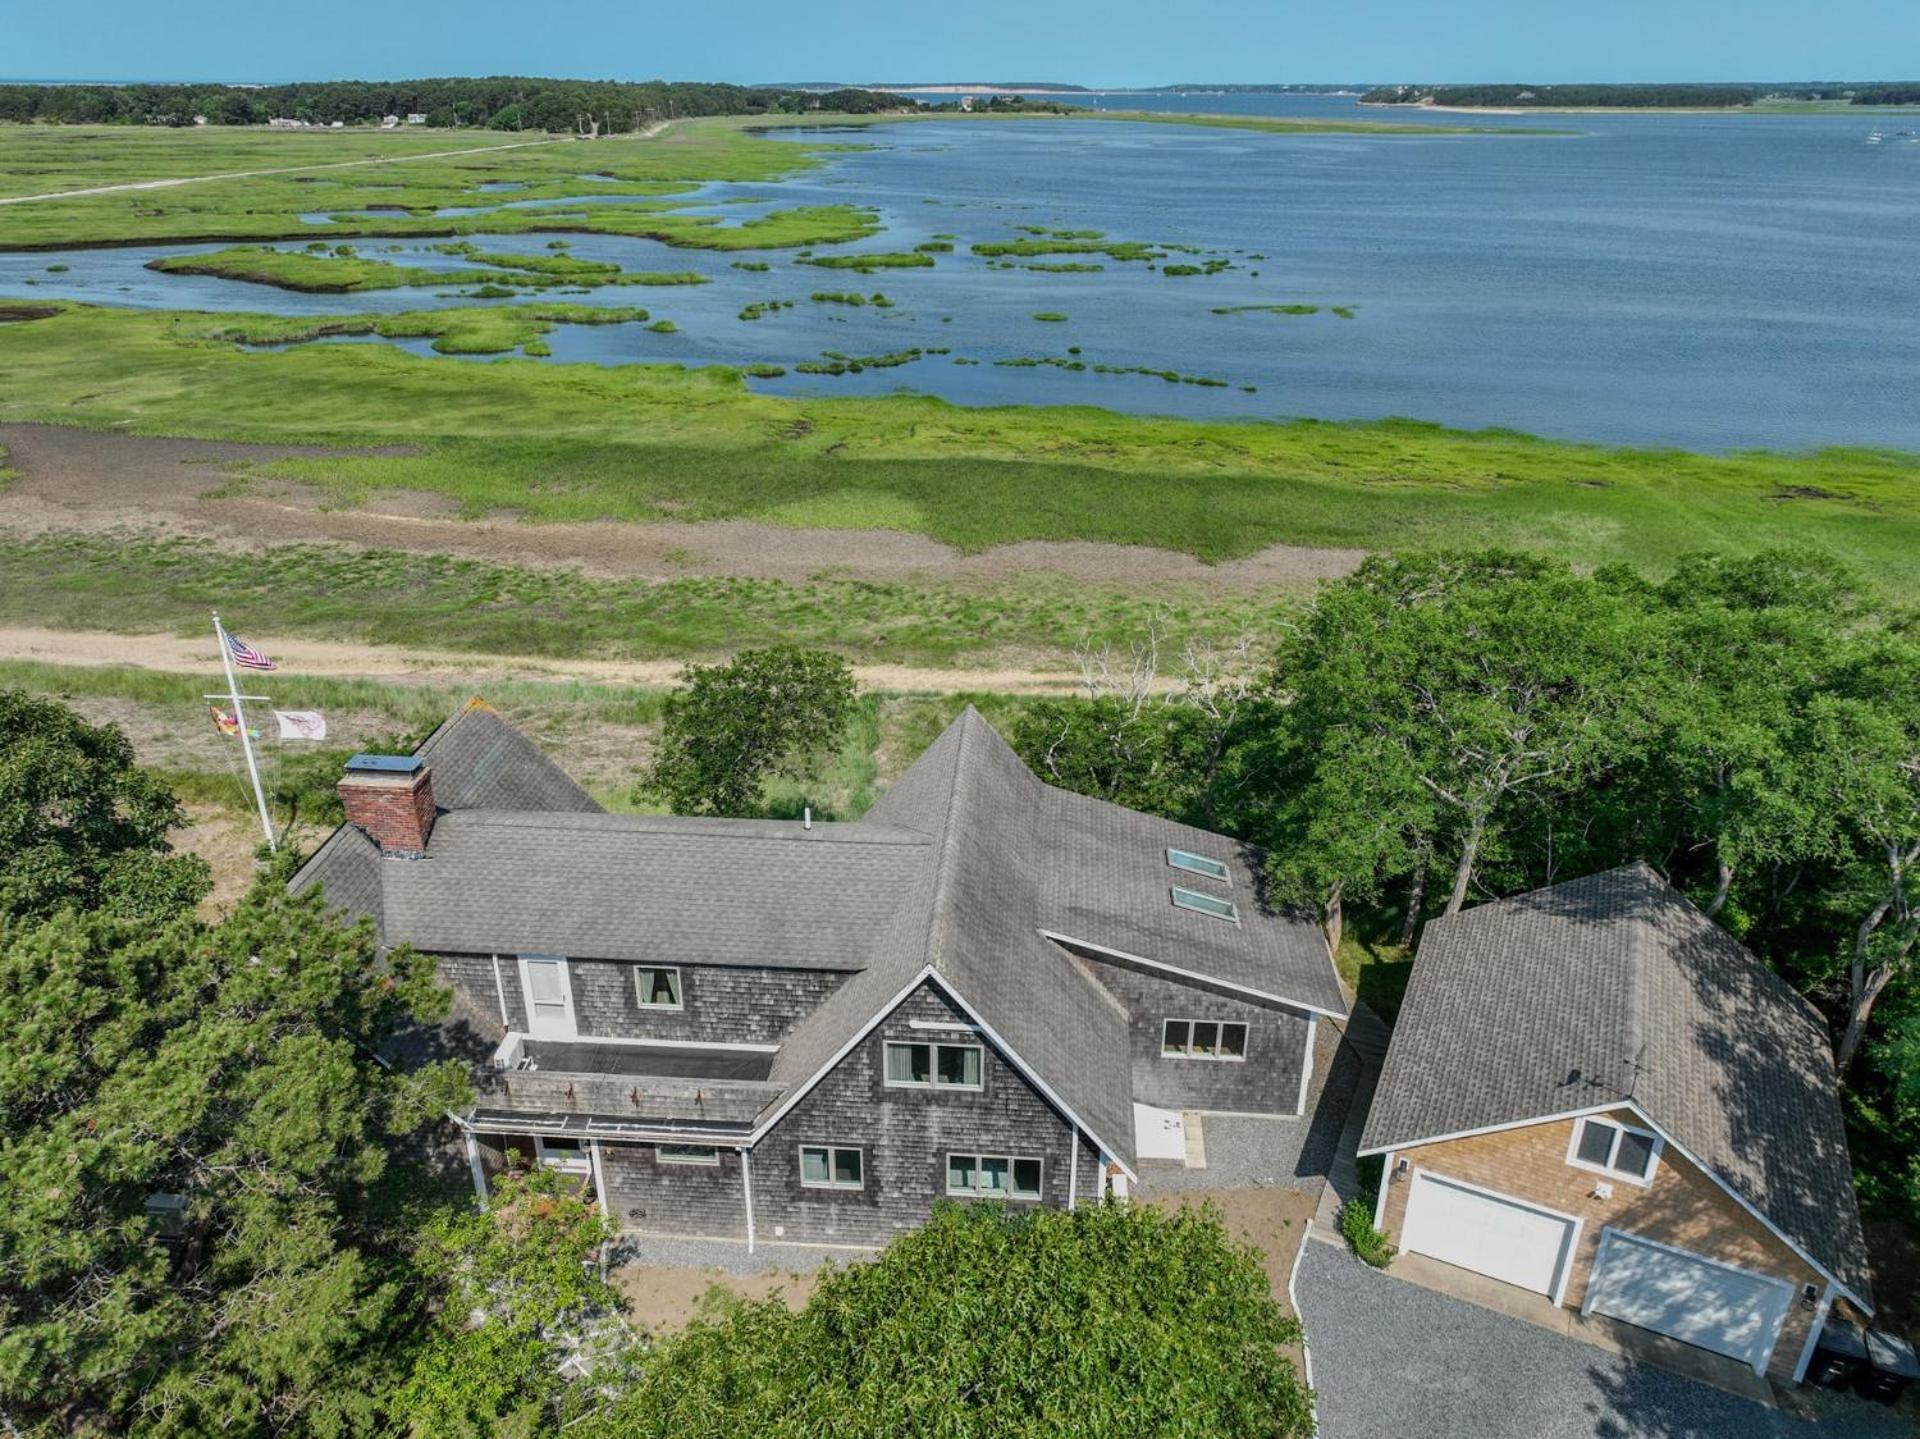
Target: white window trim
(1653,1158)
(1178,890)
(711,1160)
(1036,1197)
(578,1161)
(830,1182)
(566,988)
(1224,877)
(936,1045)
(679,986)
(1245,1037)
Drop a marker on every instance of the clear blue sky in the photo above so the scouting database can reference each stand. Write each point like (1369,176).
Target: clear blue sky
(1116,42)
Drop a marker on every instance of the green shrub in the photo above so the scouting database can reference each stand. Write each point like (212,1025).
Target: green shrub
(1110,1320)
(1356,1226)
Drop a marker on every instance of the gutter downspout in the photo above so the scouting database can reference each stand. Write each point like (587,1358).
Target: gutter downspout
(1073,1171)
(746,1190)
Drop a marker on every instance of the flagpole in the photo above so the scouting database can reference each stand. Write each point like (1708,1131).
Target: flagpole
(246,740)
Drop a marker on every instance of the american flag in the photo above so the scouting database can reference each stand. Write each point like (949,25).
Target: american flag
(246,656)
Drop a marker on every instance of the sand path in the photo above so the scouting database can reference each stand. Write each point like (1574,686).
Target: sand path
(173,654)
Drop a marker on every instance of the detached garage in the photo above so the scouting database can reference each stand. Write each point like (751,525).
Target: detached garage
(1492,1234)
(1596,1095)
(1689,1297)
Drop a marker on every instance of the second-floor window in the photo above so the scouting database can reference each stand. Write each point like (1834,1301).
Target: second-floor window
(659,986)
(1610,1148)
(1204,1039)
(933,1066)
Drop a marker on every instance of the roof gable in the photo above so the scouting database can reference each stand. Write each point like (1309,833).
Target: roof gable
(1615,989)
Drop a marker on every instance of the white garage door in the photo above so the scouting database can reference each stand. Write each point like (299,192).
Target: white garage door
(1687,1297)
(1502,1238)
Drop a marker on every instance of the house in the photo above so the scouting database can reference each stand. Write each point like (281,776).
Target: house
(768,1029)
(283,122)
(389,122)
(1596,1093)
(416,119)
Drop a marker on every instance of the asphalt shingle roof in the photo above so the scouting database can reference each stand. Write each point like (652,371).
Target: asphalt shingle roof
(963,867)
(1615,988)
(639,887)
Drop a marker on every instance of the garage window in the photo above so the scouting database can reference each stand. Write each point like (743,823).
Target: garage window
(1616,1149)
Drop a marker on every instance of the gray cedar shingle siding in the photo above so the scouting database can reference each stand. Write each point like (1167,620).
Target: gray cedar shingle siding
(905,1136)
(1615,987)
(643,1193)
(1267,1081)
(738,1004)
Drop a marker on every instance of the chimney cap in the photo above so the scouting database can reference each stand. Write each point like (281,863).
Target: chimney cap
(385,764)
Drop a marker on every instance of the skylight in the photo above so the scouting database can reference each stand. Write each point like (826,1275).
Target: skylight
(1196,863)
(1205,904)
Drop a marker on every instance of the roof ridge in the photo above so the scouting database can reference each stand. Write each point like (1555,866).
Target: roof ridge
(946,858)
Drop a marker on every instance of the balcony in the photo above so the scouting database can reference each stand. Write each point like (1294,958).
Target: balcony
(628,1081)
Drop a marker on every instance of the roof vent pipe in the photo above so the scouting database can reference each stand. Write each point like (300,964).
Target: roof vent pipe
(806,817)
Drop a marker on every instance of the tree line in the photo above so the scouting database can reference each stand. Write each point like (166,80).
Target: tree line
(502,102)
(1695,97)
(1438,730)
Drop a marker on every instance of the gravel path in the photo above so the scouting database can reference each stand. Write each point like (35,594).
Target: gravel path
(678,1252)
(1258,1152)
(1392,1358)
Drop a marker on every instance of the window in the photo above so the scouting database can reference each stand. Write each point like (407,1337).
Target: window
(992,1176)
(687,1154)
(1610,1148)
(938,1066)
(659,986)
(1204,1039)
(1196,863)
(825,1166)
(569,1156)
(1204,904)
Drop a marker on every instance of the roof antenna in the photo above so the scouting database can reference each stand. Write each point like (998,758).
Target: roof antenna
(806,817)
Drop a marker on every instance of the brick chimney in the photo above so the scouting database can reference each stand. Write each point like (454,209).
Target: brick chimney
(391,798)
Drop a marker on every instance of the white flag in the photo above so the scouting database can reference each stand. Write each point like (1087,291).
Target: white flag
(301,724)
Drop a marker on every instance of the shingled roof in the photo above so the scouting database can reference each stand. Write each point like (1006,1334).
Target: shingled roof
(1615,989)
(969,871)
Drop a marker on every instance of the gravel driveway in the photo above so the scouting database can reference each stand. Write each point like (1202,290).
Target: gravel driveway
(1392,1358)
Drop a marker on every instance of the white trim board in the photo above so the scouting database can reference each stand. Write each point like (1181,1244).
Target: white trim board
(1187,974)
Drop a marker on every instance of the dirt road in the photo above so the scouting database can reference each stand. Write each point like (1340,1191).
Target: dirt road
(282,170)
(174,655)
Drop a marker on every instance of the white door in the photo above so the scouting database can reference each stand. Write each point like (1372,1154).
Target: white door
(1491,1234)
(1688,1297)
(544,982)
